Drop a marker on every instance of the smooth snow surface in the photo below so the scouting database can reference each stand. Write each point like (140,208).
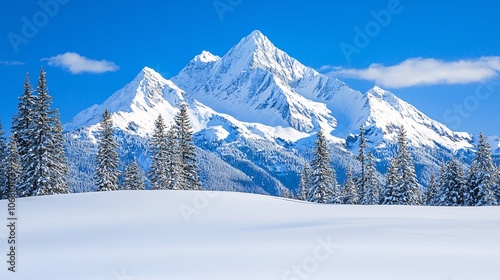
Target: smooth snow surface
(128,235)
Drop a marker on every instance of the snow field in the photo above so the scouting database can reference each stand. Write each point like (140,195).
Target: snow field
(215,235)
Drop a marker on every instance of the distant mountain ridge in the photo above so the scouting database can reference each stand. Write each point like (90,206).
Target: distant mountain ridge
(255,112)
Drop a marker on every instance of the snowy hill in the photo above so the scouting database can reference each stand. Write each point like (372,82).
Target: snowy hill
(256,109)
(209,235)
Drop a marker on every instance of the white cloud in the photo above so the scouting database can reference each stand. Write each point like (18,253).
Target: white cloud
(425,71)
(76,64)
(11,62)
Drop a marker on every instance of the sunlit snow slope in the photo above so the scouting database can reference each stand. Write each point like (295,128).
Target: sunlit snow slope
(206,235)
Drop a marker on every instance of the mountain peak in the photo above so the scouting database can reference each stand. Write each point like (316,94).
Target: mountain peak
(206,56)
(150,74)
(256,41)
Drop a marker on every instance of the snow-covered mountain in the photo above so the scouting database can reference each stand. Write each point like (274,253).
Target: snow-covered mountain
(255,112)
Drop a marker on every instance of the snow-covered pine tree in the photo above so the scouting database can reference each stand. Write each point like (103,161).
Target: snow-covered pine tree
(304,183)
(106,176)
(23,134)
(452,186)
(432,192)
(406,189)
(3,164)
(14,169)
(174,169)
(481,177)
(361,157)
(189,179)
(59,165)
(286,193)
(336,197)
(496,188)
(322,175)
(47,168)
(349,191)
(391,177)
(159,173)
(371,196)
(133,178)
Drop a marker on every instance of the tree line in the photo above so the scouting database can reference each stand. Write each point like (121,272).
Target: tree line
(479,185)
(33,163)
(33,160)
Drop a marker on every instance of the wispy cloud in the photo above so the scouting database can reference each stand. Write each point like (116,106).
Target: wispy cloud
(424,71)
(77,64)
(11,62)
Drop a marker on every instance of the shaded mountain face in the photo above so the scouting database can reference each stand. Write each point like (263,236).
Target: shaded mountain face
(255,112)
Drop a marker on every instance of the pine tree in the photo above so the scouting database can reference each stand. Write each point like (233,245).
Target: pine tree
(174,166)
(304,183)
(336,197)
(133,179)
(159,172)
(287,193)
(3,164)
(482,177)
(349,191)
(24,135)
(14,169)
(432,192)
(452,184)
(388,194)
(496,188)
(361,157)
(46,169)
(371,195)
(106,176)
(406,188)
(322,177)
(189,179)
(59,165)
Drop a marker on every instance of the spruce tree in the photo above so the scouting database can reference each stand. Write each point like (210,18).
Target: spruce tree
(24,135)
(453,188)
(371,195)
(432,193)
(482,177)
(14,169)
(287,193)
(3,164)
(391,178)
(133,179)
(106,176)
(349,191)
(159,172)
(322,177)
(406,188)
(174,165)
(46,169)
(336,197)
(361,157)
(59,165)
(189,179)
(304,182)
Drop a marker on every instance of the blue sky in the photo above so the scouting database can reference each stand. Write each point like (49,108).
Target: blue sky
(441,56)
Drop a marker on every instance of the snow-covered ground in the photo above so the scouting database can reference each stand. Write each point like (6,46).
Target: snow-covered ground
(191,235)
